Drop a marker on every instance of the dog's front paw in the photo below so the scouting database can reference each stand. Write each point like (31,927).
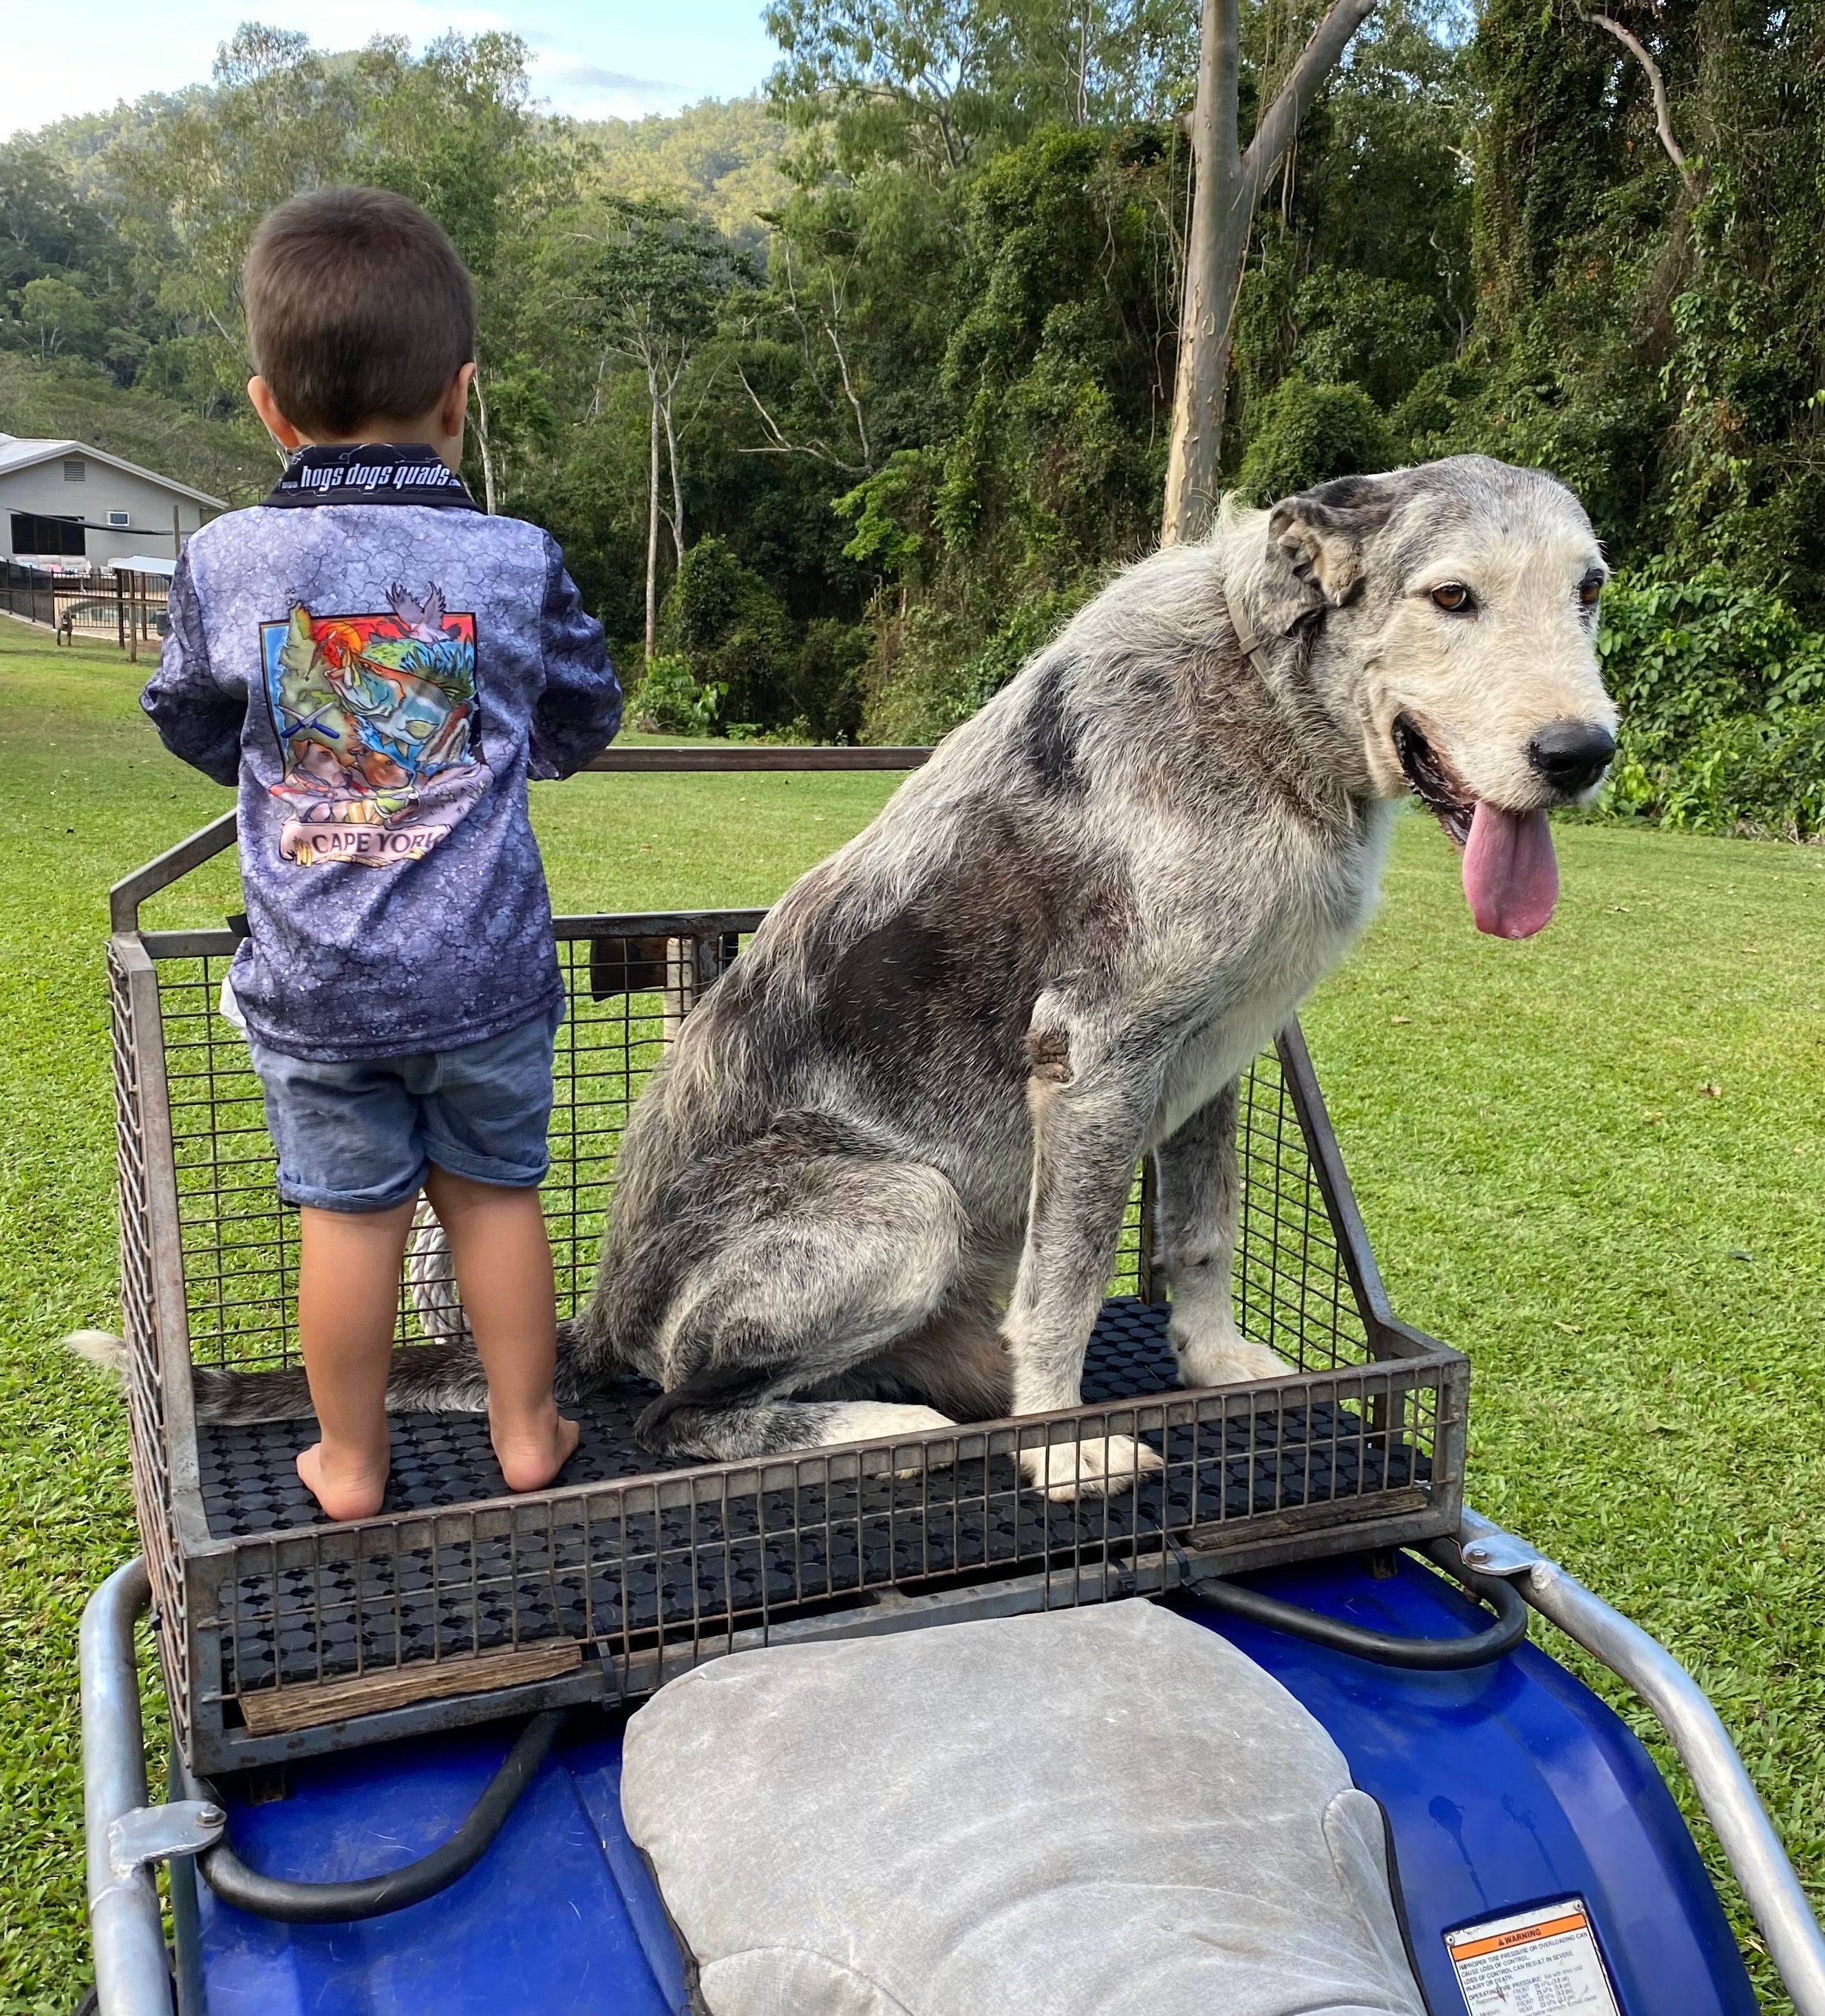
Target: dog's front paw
(1087,1469)
(1224,1358)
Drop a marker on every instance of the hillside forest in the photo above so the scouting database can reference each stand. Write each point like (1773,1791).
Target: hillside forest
(840,398)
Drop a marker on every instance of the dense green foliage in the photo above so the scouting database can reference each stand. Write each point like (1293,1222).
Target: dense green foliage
(873,381)
(1722,687)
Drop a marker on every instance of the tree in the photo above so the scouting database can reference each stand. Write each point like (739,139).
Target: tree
(655,281)
(455,131)
(1228,190)
(281,118)
(934,82)
(60,316)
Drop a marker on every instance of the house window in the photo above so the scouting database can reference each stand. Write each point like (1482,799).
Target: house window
(75,471)
(123,518)
(33,534)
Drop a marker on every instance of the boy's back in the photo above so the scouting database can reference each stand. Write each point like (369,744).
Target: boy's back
(381,666)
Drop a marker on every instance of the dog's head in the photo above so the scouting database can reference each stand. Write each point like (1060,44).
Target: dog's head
(1453,608)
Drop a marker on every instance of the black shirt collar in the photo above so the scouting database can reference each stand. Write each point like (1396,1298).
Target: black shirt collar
(369,473)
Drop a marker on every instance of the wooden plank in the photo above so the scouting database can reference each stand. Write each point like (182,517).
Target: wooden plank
(1320,1515)
(754,756)
(274,1711)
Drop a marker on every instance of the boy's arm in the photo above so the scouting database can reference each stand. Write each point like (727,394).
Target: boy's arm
(581,707)
(195,719)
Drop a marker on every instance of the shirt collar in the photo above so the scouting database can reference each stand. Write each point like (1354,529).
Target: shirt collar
(369,473)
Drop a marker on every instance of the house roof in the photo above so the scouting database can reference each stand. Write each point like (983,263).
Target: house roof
(21,452)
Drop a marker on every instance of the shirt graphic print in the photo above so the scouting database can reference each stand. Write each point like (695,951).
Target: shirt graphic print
(376,715)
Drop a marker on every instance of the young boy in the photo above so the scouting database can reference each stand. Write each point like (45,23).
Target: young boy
(379,668)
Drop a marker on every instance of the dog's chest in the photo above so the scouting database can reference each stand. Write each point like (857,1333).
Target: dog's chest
(1257,991)
(1212,1056)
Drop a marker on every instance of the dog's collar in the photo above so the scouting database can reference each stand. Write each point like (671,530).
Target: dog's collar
(1249,644)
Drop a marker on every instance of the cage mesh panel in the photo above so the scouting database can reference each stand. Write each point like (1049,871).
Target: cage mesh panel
(616,1564)
(1291,1291)
(656,1569)
(240,1243)
(146,1408)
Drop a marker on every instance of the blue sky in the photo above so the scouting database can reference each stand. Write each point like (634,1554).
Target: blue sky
(594,58)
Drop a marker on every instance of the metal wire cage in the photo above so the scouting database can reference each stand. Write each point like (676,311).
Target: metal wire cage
(282,1633)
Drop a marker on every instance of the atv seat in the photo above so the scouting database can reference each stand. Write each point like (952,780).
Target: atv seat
(1085,1812)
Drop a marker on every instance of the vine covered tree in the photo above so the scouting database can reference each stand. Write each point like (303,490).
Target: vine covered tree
(1230,180)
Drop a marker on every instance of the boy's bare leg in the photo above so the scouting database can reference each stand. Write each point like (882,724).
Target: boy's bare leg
(348,1298)
(502,1257)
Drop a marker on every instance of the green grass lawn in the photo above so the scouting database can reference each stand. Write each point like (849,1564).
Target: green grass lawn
(1594,1162)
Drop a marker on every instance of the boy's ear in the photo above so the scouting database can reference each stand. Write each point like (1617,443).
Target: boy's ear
(455,408)
(270,418)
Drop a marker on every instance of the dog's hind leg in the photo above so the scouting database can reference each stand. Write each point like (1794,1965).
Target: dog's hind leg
(958,1362)
(1197,1197)
(829,1261)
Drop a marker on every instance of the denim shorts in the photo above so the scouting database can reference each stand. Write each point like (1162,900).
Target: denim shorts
(361,1135)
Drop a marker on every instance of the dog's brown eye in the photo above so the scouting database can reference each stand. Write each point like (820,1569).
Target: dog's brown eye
(1590,590)
(1452,596)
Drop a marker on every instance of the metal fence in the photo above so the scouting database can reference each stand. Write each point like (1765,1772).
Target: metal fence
(127,607)
(283,1632)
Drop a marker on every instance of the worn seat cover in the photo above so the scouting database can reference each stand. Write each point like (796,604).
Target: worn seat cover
(1071,1814)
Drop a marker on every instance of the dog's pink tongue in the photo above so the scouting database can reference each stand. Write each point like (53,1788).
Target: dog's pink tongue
(1511,878)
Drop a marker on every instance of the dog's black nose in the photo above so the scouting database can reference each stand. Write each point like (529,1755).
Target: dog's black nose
(1572,755)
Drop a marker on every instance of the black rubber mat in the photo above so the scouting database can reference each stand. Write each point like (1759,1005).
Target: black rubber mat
(250,1484)
(631,1577)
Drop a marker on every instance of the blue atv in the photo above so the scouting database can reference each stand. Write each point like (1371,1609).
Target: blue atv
(1263,1735)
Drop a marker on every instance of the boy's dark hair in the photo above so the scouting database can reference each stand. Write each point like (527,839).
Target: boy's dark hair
(358,308)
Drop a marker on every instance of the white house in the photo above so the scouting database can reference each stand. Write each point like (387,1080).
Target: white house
(61,501)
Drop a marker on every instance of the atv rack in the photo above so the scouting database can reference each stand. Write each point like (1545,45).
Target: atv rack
(282,1633)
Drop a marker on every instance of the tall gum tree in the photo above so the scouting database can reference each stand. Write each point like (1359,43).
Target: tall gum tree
(1228,189)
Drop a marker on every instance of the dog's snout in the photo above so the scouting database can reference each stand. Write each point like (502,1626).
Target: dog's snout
(1572,755)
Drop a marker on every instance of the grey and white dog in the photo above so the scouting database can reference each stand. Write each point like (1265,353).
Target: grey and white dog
(878,1183)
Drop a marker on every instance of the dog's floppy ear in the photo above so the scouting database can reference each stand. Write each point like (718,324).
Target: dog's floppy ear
(1320,535)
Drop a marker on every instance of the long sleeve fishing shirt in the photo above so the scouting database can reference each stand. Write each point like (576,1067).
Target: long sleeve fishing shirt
(379,666)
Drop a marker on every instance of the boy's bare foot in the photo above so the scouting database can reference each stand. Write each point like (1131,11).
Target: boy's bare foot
(530,1456)
(345,1489)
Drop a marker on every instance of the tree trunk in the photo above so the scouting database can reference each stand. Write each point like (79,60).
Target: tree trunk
(1214,250)
(676,514)
(652,515)
(1228,187)
(483,443)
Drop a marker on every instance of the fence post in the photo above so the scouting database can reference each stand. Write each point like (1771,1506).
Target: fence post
(120,611)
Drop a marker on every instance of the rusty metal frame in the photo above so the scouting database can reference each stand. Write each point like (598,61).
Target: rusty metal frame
(1408,1386)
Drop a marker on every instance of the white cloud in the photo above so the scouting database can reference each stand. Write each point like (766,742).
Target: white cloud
(587,90)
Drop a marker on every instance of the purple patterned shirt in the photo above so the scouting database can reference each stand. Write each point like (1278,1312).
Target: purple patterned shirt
(379,666)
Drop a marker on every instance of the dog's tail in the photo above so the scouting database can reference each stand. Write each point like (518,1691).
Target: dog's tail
(444,1377)
(101,1349)
(428,1378)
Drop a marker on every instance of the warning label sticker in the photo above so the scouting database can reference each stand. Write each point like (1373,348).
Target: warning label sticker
(1537,1961)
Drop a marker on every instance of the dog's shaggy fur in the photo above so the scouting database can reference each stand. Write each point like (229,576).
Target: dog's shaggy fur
(879,1181)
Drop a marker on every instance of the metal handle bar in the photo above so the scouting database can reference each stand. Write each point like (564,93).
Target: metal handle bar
(1751,1845)
(130,1971)
(126,894)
